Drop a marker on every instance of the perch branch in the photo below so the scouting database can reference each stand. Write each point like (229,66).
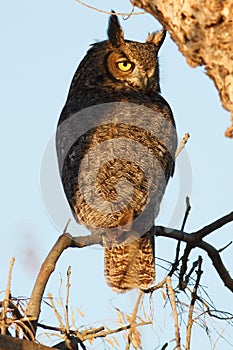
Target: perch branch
(48,266)
(66,240)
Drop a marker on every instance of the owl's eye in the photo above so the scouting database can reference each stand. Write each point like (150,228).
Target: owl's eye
(125,66)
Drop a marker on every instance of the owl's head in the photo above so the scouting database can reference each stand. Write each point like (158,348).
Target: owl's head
(119,64)
(130,63)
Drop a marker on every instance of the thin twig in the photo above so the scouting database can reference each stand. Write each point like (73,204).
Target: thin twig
(214,226)
(187,277)
(157,286)
(209,311)
(120,329)
(182,144)
(109,12)
(184,266)
(171,294)
(85,332)
(66,226)
(191,307)
(225,247)
(133,319)
(187,211)
(177,260)
(59,318)
(7,298)
(13,309)
(81,337)
(164,346)
(67,300)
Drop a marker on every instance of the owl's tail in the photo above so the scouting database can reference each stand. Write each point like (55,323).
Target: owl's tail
(130,264)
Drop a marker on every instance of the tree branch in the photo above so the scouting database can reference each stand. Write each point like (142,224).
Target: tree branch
(66,240)
(48,266)
(195,241)
(214,226)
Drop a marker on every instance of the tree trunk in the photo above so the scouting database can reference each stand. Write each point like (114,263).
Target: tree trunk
(203,31)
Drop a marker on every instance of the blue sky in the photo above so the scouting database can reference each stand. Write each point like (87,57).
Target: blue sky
(41,46)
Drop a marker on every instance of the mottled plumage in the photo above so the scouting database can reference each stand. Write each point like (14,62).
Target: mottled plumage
(116,141)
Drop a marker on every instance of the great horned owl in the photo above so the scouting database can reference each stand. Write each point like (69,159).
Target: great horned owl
(116,141)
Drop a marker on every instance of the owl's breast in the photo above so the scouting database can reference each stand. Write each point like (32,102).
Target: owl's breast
(115,162)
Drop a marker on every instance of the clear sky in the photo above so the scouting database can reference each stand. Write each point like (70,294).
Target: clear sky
(41,45)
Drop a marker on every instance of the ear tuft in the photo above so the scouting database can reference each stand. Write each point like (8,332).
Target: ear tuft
(115,32)
(157,38)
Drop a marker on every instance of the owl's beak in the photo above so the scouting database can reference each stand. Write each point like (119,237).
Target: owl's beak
(141,82)
(145,82)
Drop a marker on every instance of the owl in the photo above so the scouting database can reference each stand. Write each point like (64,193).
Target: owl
(116,142)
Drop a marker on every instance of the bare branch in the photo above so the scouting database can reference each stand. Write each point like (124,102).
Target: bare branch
(48,266)
(214,226)
(64,241)
(218,264)
(225,247)
(196,242)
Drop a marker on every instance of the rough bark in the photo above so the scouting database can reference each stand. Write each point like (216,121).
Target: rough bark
(203,31)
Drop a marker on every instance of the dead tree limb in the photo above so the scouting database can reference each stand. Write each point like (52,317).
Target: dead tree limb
(65,241)
(194,240)
(48,266)
(203,31)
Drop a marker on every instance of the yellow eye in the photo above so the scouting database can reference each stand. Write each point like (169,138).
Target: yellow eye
(124,66)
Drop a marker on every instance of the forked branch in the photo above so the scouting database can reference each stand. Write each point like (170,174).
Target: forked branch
(65,241)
